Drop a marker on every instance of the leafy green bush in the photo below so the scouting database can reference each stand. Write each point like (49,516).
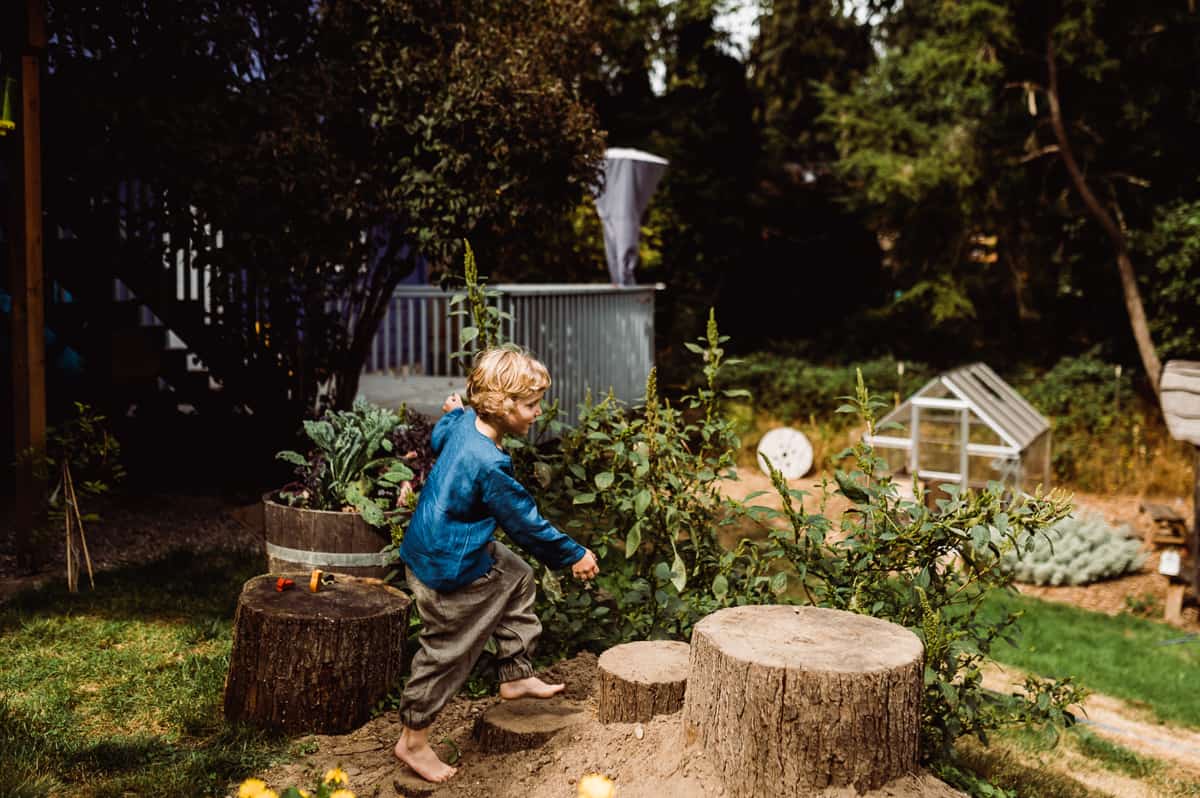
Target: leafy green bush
(640,486)
(1077,550)
(352,464)
(926,570)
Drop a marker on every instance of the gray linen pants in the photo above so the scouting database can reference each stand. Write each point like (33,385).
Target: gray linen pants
(456,625)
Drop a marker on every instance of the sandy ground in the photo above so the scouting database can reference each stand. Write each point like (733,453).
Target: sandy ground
(657,765)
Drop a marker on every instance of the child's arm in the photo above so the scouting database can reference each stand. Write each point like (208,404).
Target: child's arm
(441,430)
(514,509)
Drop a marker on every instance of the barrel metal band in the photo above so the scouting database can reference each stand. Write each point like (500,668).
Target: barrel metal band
(304,557)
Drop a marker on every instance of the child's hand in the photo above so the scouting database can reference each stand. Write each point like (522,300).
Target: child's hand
(587,567)
(453,402)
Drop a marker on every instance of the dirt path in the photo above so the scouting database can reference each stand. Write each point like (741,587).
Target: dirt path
(1121,723)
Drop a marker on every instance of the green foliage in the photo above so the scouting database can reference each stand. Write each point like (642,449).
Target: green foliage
(80,463)
(1082,398)
(794,388)
(328,154)
(352,464)
(482,312)
(927,570)
(628,481)
(1077,550)
(1170,248)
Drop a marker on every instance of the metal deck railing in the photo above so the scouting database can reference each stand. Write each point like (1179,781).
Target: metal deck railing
(591,337)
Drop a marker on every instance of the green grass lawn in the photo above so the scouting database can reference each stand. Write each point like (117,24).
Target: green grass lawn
(117,692)
(1124,656)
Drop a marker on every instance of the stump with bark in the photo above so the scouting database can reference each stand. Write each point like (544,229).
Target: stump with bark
(314,662)
(642,679)
(526,723)
(791,700)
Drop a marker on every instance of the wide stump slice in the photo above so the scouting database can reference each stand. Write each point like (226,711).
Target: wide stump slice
(314,662)
(526,723)
(788,701)
(642,679)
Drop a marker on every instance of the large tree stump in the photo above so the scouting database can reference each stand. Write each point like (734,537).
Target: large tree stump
(526,723)
(643,679)
(787,700)
(314,662)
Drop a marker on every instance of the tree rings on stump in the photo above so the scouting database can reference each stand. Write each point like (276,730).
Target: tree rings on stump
(642,679)
(314,662)
(791,700)
(526,723)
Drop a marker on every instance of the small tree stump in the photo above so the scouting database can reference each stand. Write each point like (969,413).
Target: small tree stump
(643,679)
(314,662)
(786,701)
(525,723)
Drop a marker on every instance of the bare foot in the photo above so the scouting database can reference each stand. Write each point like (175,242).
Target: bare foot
(413,749)
(530,687)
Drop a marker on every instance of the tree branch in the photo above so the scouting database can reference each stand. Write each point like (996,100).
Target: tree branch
(1129,287)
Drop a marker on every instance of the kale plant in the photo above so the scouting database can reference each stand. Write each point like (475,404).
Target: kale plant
(352,465)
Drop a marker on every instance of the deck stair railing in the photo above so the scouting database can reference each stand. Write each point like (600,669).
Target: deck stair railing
(591,337)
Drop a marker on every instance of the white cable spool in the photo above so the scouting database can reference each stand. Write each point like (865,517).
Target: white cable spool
(788,450)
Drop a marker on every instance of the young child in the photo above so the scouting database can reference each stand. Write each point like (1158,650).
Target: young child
(468,586)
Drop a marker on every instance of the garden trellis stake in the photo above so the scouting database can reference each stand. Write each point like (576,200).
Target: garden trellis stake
(71,507)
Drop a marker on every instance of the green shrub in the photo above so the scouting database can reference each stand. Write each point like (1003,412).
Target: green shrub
(1080,549)
(926,570)
(637,485)
(627,481)
(792,388)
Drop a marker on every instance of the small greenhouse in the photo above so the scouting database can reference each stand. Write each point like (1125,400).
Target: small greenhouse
(968,427)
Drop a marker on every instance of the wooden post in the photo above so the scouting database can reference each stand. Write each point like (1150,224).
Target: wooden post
(26,273)
(1194,538)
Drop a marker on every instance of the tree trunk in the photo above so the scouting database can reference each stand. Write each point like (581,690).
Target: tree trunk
(1129,287)
(643,679)
(526,723)
(788,700)
(314,662)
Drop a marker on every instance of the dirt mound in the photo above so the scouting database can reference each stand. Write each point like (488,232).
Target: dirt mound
(653,764)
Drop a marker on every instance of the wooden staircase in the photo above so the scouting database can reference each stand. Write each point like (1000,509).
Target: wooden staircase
(149,316)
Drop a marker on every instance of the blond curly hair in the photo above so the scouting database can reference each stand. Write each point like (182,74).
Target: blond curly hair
(503,376)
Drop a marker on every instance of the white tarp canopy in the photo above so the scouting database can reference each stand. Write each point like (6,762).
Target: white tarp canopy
(630,177)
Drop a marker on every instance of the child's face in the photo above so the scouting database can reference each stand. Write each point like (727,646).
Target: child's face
(524,412)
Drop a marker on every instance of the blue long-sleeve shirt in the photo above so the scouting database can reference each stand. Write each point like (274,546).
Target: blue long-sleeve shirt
(470,491)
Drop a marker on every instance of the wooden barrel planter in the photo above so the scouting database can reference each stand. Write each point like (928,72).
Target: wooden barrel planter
(340,542)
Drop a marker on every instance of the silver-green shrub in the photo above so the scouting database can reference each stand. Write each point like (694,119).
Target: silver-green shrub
(1079,549)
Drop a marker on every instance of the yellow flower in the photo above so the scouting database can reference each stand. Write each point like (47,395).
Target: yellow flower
(594,785)
(252,788)
(336,776)
(268,794)
(342,794)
